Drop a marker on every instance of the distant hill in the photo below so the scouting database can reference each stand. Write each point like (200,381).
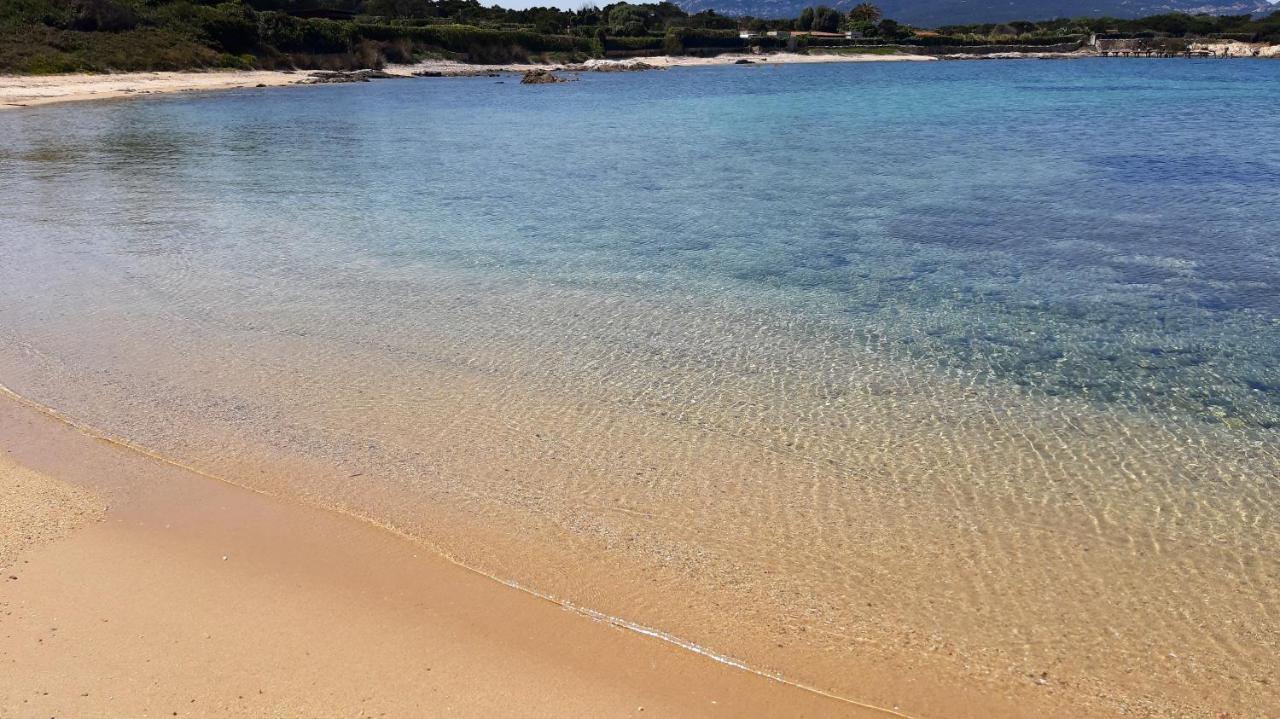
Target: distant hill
(931,13)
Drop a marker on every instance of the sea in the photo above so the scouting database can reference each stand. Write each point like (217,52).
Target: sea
(957,373)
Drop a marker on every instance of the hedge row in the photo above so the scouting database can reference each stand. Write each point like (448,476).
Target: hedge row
(631,44)
(465,38)
(940,41)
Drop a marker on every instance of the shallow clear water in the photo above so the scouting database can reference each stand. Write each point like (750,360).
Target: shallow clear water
(971,368)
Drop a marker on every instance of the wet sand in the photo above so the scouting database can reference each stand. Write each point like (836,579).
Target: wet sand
(197,598)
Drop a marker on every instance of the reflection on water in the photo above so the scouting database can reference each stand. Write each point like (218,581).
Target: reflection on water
(950,368)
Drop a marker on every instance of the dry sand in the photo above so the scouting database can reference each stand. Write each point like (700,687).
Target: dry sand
(197,598)
(36,509)
(30,90)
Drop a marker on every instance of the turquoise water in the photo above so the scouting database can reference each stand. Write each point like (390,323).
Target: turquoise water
(740,328)
(1078,228)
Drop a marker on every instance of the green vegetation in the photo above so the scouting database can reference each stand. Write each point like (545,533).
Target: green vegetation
(819,19)
(47,36)
(862,50)
(867,26)
(1173,25)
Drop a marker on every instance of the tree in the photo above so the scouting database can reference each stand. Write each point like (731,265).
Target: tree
(627,19)
(709,20)
(392,8)
(103,15)
(549,23)
(666,14)
(805,21)
(825,19)
(864,13)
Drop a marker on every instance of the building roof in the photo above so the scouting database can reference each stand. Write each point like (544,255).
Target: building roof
(810,33)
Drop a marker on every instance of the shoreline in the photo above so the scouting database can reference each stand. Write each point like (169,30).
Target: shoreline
(234,583)
(454,68)
(827,498)
(36,90)
(20,91)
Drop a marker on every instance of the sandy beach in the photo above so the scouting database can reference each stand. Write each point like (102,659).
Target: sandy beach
(32,90)
(191,597)
(641,394)
(18,91)
(663,62)
(36,509)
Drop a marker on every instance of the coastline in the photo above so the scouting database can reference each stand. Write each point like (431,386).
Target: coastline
(190,594)
(448,68)
(609,444)
(18,91)
(35,90)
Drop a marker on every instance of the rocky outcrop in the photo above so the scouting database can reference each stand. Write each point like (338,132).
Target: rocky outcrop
(637,66)
(1235,48)
(324,77)
(608,66)
(456,72)
(540,76)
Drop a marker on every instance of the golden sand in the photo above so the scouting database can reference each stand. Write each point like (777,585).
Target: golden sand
(36,509)
(197,598)
(31,90)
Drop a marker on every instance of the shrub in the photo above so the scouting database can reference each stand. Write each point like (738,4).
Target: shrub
(469,39)
(102,15)
(632,44)
(231,26)
(631,20)
(15,14)
(235,62)
(280,31)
